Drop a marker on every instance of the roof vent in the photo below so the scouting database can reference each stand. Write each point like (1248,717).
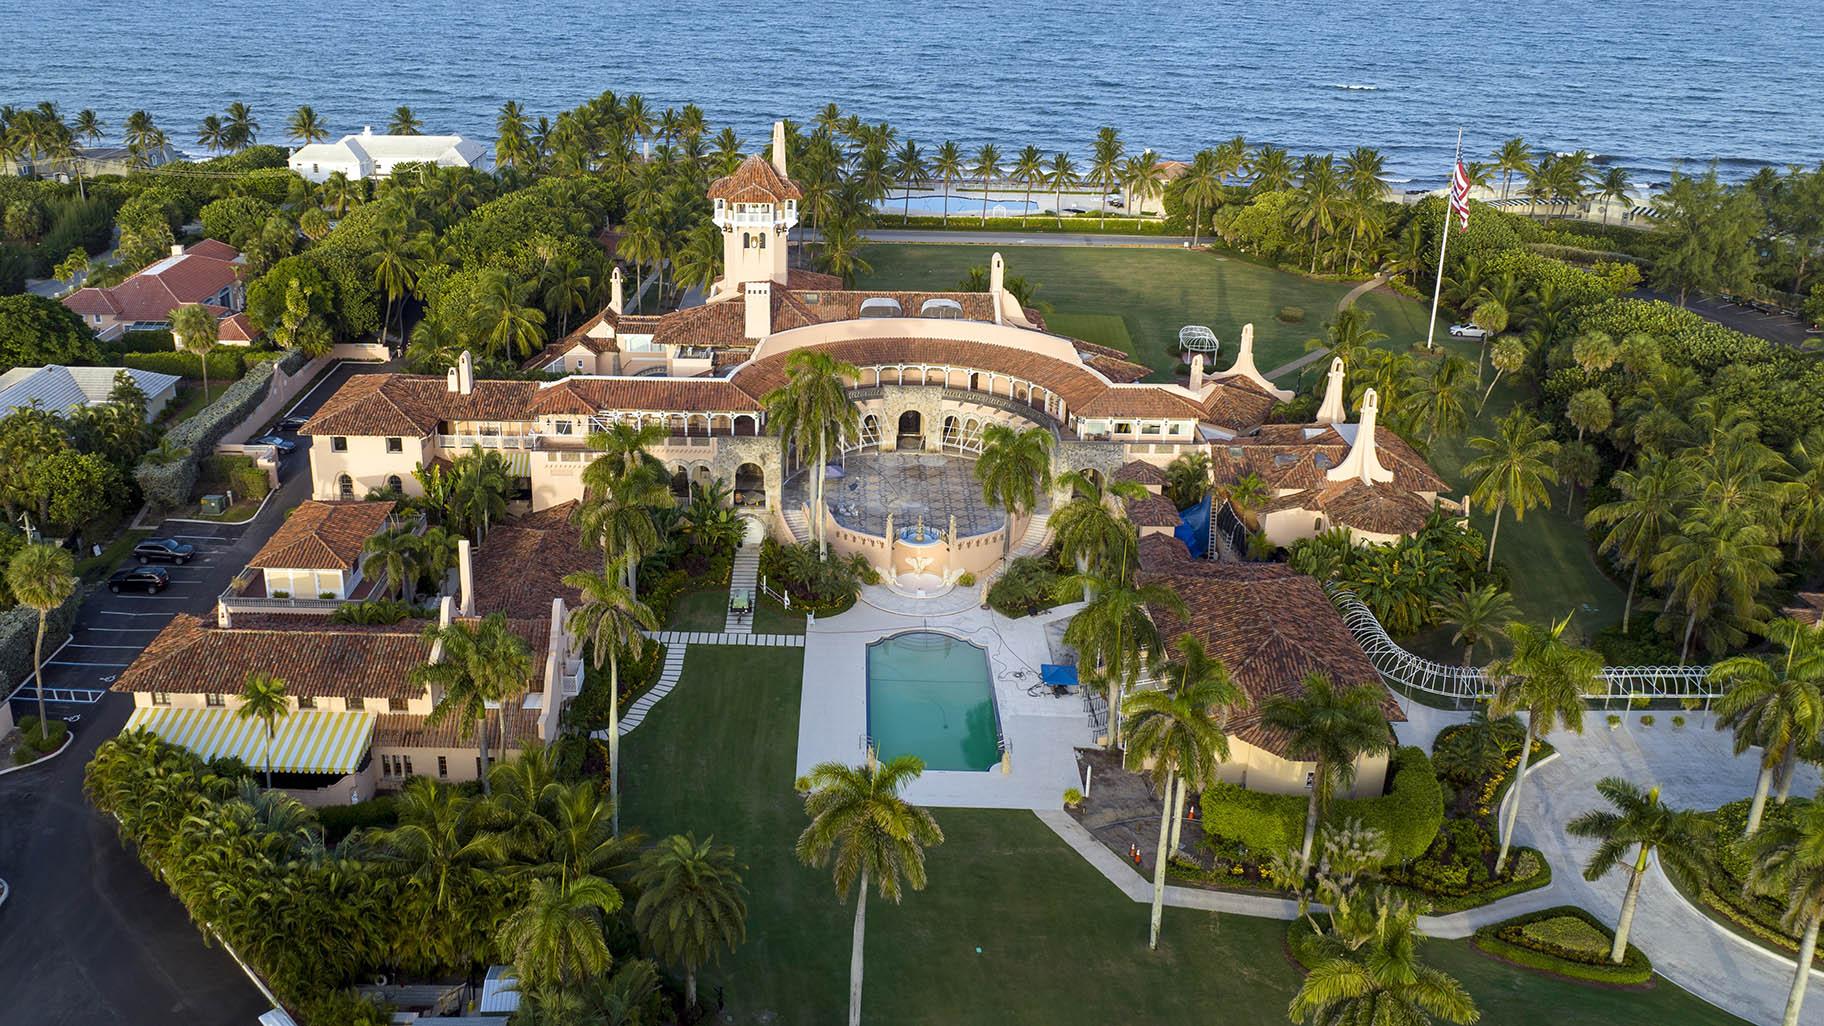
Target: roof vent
(880,306)
(1284,459)
(942,309)
(811,298)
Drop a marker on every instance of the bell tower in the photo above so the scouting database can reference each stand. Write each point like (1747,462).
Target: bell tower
(755,209)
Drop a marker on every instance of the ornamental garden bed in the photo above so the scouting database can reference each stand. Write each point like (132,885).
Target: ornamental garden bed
(1724,896)
(1564,941)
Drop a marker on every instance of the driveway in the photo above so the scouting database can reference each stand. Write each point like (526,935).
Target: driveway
(1774,327)
(88,937)
(1694,767)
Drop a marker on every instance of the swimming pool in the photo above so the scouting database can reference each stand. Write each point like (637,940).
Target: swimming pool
(930,695)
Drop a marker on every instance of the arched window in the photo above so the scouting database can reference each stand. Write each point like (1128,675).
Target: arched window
(762,237)
(394,484)
(747,240)
(345,486)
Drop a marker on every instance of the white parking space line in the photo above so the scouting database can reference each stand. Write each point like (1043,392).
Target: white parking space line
(75,644)
(122,612)
(72,662)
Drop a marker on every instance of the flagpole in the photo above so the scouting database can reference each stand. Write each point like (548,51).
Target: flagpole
(1437,286)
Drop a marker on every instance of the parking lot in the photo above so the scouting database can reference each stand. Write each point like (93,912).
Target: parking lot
(88,936)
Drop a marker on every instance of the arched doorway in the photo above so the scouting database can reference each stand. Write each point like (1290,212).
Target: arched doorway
(911,430)
(750,485)
(680,483)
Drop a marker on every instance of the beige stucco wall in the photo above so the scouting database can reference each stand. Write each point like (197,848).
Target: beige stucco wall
(1260,770)
(419,705)
(367,462)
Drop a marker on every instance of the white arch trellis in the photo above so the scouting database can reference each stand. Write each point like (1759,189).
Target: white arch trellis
(1196,338)
(1471,683)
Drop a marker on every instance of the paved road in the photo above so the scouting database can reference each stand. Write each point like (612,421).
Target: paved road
(1775,327)
(89,938)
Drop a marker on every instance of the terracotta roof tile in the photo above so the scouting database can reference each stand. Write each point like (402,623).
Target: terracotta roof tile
(1271,626)
(1284,457)
(683,395)
(414,405)
(1160,552)
(799,278)
(322,661)
(199,273)
(755,181)
(1807,607)
(522,564)
(1141,401)
(1075,384)
(1381,509)
(405,730)
(1140,472)
(1152,511)
(323,536)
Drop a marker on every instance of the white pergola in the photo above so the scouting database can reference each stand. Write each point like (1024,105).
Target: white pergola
(1196,338)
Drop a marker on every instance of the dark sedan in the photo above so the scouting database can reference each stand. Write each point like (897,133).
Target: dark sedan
(163,550)
(285,448)
(148,580)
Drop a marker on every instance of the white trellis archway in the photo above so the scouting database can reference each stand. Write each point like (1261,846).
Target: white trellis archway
(1472,684)
(1196,338)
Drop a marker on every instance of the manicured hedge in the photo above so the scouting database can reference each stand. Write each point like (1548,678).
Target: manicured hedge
(167,486)
(19,631)
(1510,941)
(225,363)
(1408,815)
(341,820)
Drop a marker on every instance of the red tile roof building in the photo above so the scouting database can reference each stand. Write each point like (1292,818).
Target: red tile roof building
(208,273)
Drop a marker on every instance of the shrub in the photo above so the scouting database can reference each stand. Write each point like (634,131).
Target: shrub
(1291,314)
(966,579)
(241,474)
(1646,719)
(1678,723)
(19,631)
(1072,797)
(1024,588)
(1613,720)
(225,363)
(167,486)
(1408,815)
(1565,940)
(35,331)
(341,820)
(588,711)
(39,742)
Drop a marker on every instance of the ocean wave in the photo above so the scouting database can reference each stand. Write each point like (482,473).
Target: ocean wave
(1355,87)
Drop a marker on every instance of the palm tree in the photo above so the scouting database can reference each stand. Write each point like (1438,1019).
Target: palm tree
(196,330)
(1176,734)
(1319,201)
(947,164)
(477,664)
(263,698)
(1550,679)
(87,125)
(1789,865)
(1776,704)
(1652,499)
(41,577)
(841,247)
(1014,469)
(566,290)
(212,135)
(396,260)
(909,172)
(403,122)
(1513,156)
(692,903)
(863,828)
(1332,727)
(1441,403)
(306,126)
(987,166)
(1713,568)
(1028,170)
(1479,616)
(812,411)
(1144,177)
(1061,174)
(1613,185)
(1088,529)
(1679,836)
(1378,980)
(1202,184)
(1512,471)
(393,557)
(1105,167)
(505,323)
(555,939)
(1271,170)
(610,619)
(241,127)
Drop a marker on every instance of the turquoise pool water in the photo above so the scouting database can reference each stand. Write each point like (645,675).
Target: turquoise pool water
(930,695)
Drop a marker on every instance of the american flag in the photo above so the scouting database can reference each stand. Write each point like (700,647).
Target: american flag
(1459,195)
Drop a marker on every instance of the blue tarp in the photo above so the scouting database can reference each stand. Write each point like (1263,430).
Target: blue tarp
(1194,529)
(1058,675)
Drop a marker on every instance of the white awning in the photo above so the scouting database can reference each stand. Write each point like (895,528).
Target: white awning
(306,741)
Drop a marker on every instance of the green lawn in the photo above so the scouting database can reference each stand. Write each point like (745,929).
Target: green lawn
(1014,927)
(1154,292)
(700,611)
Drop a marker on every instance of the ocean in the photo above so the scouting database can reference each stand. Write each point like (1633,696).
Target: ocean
(1651,86)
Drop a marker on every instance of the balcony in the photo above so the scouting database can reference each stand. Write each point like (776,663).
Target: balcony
(467,442)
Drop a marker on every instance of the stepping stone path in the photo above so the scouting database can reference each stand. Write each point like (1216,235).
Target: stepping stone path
(677,643)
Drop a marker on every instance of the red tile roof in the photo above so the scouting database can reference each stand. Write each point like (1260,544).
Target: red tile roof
(1075,384)
(1380,509)
(1140,472)
(1152,511)
(236,328)
(1284,457)
(683,395)
(521,566)
(755,181)
(1807,607)
(191,657)
(323,536)
(1271,627)
(200,273)
(414,405)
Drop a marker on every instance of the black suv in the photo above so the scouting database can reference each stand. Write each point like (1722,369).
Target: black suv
(163,550)
(147,579)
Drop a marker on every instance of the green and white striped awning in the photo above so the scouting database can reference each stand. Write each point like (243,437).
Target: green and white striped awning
(307,741)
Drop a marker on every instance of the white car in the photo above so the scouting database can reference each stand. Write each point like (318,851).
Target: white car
(1467,331)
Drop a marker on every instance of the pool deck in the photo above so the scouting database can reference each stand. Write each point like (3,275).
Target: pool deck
(1043,732)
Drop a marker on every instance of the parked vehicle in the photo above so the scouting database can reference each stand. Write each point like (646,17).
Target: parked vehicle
(285,448)
(292,423)
(147,580)
(1468,331)
(163,550)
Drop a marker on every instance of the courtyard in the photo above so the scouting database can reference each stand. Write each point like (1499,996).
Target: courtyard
(863,489)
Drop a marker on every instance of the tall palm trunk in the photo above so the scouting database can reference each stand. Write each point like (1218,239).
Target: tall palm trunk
(690,986)
(823,537)
(1304,851)
(1513,800)
(38,675)
(614,738)
(1492,535)
(484,748)
(1684,651)
(946,201)
(1758,807)
(855,950)
(269,733)
(1808,946)
(906,217)
(1627,607)
(1628,902)
(1165,832)
(1178,816)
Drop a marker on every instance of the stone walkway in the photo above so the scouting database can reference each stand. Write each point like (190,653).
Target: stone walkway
(668,679)
(726,638)
(744,574)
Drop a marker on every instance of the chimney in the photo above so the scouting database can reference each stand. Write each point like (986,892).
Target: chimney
(779,148)
(367,130)
(759,308)
(445,612)
(465,373)
(997,283)
(1333,410)
(1361,461)
(1196,372)
(614,291)
(465,564)
(177,249)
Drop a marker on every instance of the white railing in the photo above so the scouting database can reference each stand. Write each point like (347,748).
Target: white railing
(488,441)
(1472,683)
